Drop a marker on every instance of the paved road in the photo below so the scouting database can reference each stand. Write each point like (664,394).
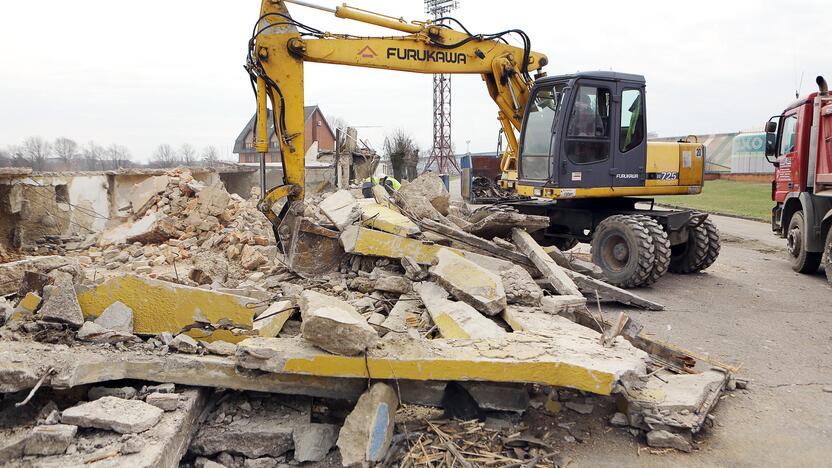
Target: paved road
(751,309)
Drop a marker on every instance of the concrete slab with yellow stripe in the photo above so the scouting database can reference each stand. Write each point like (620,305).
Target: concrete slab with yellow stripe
(543,358)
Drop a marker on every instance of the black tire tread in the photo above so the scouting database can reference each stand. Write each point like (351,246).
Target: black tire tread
(828,264)
(646,250)
(714,245)
(690,262)
(811,260)
(661,245)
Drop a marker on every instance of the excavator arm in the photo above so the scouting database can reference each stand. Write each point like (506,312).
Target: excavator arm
(280,46)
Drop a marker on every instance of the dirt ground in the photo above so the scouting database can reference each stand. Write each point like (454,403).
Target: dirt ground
(748,309)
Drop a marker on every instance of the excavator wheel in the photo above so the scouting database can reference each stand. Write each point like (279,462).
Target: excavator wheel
(661,244)
(713,245)
(802,261)
(623,247)
(693,255)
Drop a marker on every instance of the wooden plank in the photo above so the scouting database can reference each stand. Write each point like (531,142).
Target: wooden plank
(550,270)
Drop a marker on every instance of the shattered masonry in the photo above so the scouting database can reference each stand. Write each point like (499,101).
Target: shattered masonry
(178,335)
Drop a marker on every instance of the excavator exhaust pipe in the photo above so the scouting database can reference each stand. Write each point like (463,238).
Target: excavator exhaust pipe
(823,88)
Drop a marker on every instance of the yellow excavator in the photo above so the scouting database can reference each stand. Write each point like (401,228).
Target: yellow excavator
(577,147)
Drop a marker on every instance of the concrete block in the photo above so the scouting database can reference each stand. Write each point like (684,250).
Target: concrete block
(221,348)
(117,317)
(12,273)
(341,208)
(29,303)
(334,325)
(113,414)
(184,344)
(163,401)
(470,283)
(386,219)
(520,288)
(665,439)
(143,193)
(95,333)
(393,284)
(213,200)
(60,303)
(160,306)
(271,321)
(251,258)
(314,441)
(125,393)
(562,305)
(430,186)
(368,430)
(455,319)
(49,440)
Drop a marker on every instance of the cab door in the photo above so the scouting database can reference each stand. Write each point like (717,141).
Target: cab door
(630,147)
(584,152)
(787,175)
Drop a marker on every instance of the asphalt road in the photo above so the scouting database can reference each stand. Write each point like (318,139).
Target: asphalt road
(748,309)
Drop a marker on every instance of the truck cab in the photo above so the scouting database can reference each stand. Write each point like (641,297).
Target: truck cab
(799,145)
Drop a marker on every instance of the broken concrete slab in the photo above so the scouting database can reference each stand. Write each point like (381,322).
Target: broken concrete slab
(272,320)
(663,439)
(143,194)
(314,441)
(60,304)
(553,273)
(213,200)
(520,288)
(49,440)
(369,242)
(12,273)
(396,321)
(387,219)
(334,325)
(117,317)
(160,306)
(412,270)
(153,228)
(455,319)
(341,208)
(184,344)
(674,401)
(267,432)
(368,430)
(501,223)
(393,284)
(607,292)
(563,305)
(432,188)
(125,393)
(547,358)
(115,414)
(163,401)
(220,348)
(469,282)
(95,333)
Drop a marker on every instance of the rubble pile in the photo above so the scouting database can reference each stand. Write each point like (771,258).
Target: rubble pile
(441,335)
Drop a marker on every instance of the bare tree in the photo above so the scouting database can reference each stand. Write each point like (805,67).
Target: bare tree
(5,157)
(66,149)
(92,154)
(36,150)
(399,147)
(117,156)
(210,156)
(337,123)
(165,156)
(187,154)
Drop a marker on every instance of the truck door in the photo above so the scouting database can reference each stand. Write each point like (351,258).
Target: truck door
(630,147)
(583,156)
(787,174)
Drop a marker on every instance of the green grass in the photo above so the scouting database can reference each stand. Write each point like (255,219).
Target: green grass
(746,199)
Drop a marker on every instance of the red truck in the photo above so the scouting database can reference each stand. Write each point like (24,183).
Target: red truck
(799,144)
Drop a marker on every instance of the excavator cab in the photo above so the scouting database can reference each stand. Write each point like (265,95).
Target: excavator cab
(585,130)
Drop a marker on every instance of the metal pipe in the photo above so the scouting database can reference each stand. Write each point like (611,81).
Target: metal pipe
(310,5)
(823,88)
(378,19)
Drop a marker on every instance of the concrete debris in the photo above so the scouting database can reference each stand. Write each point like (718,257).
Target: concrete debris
(368,430)
(619,420)
(60,304)
(431,187)
(394,284)
(95,333)
(251,258)
(49,440)
(143,195)
(117,317)
(125,393)
(413,270)
(551,271)
(520,288)
(184,344)
(334,325)
(663,439)
(387,219)
(213,200)
(115,414)
(500,223)
(12,273)
(314,441)
(455,319)
(221,348)
(341,208)
(469,282)
(163,401)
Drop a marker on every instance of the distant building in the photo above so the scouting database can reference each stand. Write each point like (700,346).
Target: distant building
(318,136)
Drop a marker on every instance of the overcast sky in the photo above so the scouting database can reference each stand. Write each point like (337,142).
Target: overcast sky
(144,73)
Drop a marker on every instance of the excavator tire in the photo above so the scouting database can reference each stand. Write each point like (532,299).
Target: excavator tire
(661,244)
(802,261)
(623,247)
(713,245)
(828,263)
(688,257)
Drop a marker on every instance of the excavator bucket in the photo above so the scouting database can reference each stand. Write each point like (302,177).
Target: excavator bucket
(310,250)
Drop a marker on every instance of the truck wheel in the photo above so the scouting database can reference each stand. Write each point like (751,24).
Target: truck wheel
(802,261)
(623,247)
(661,246)
(714,245)
(828,265)
(686,258)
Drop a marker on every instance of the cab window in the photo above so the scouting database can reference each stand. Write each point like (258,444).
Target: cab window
(631,131)
(537,139)
(588,137)
(787,138)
